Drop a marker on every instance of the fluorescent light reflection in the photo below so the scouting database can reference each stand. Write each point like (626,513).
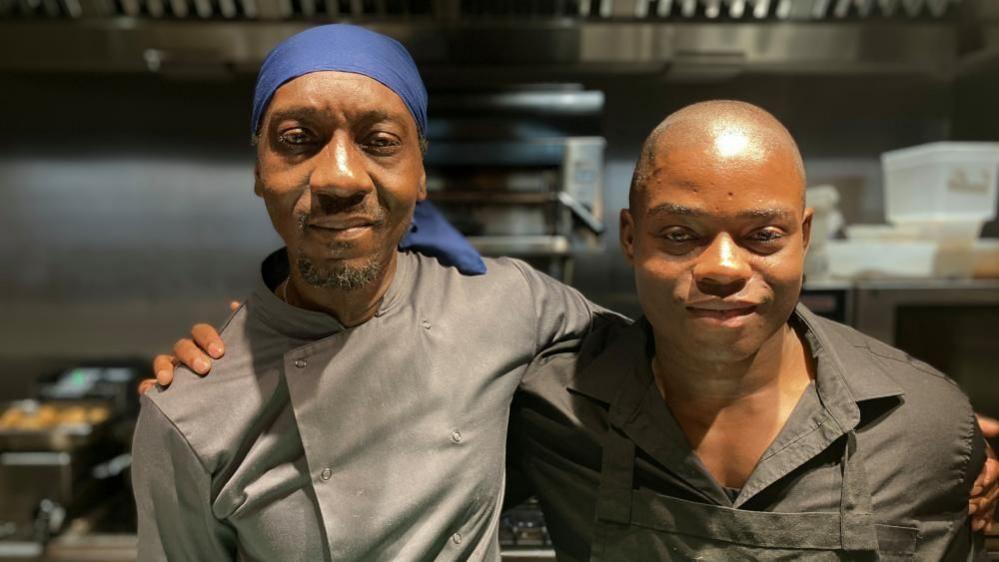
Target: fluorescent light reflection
(731,143)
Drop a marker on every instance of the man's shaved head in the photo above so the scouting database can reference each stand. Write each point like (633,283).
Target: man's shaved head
(725,129)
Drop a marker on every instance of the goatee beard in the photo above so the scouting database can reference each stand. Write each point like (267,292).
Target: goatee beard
(342,277)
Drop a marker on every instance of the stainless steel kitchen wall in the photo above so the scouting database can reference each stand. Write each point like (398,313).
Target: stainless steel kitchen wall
(127,211)
(127,208)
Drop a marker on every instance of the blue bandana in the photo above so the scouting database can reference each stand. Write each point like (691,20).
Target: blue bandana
(343,48)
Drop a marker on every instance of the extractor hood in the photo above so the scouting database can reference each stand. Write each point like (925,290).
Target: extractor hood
(674,37)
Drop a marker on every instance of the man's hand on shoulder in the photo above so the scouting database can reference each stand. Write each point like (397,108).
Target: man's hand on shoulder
(195,353)
(989,426)
(985,492)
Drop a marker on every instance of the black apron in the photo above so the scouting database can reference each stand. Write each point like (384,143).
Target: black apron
(640,525)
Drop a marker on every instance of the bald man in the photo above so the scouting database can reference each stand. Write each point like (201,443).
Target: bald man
(731,423)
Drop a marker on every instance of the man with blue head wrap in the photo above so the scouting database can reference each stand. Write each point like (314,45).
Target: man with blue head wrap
(360,411)
(354,49)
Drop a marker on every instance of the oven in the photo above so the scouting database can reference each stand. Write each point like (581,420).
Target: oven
(950,324)
(520,172)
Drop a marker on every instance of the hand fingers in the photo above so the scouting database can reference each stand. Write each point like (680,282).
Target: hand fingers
(146,384)
(163,369)
(989,474)
(192,357)
(982,505)
(983,511)
(990,426)
(208,339)
(987,507)
(988,516)
(987,521)
(234,305)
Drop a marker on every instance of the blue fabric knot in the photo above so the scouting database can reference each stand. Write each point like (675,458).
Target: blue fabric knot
(432,235)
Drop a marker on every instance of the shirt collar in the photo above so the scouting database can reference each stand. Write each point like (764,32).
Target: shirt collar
(622,363)
(849,356)
(305,324)
(848,374)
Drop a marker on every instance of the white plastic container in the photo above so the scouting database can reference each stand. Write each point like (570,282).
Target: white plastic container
(882,233)
(858,259)
(941,181)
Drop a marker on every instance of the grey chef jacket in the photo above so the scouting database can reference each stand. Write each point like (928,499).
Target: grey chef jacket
(613,470)
(385,441)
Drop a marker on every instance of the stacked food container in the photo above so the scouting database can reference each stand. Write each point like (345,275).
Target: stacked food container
(937,198)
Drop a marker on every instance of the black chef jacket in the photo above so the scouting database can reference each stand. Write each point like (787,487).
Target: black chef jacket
(875,462)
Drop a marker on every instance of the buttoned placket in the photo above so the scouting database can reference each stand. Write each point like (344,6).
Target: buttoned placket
(303,368)
(298,366)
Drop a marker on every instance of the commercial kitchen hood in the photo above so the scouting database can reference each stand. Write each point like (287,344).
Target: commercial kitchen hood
(699,38)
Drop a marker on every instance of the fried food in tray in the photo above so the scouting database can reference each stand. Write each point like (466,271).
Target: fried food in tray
(28,415)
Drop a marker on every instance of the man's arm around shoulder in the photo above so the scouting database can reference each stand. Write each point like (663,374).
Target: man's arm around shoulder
(561,312)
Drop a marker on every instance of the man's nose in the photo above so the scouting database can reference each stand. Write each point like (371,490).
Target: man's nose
(340,170)
(722,268)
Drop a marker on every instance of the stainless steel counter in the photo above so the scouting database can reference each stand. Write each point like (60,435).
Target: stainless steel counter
(122,548)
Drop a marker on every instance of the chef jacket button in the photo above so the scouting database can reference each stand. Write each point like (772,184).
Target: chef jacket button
(326,474)
(426,324)
(456,436)
(301,363)
(456,538)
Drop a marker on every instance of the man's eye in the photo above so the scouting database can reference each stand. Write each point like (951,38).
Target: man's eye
(766,235)
(382,143)
(678,236)
(295,137)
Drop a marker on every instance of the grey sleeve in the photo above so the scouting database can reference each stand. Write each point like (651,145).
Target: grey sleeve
(954,537)
(172,495)
(560,312)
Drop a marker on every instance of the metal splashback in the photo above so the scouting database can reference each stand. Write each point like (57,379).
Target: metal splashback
(686,39)
(520,172)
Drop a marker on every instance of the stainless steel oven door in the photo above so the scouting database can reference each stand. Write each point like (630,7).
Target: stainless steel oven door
(950,324)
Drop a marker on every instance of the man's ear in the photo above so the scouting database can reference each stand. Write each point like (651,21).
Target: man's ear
(806,228)
(422,194)
(627,235)
(258,186)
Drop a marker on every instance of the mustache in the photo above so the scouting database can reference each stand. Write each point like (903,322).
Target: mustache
(723,304)
(376,216)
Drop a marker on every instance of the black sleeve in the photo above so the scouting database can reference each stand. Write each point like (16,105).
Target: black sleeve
(518,486)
